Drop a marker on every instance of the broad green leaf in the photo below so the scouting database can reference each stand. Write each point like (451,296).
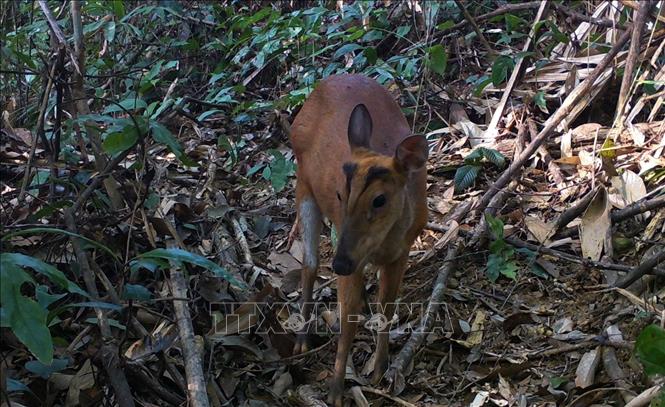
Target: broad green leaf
(118,142)
(438,59)
(465,176)
(502,65)
(494,157)
(128,104)
(45,370)
(149,264)
(345,49)
(540,101)
(53,274)
(445,25)
(25,316)
(38,230)
(163,135)
(118,8)
(14,385)
(371,55)
(495,224)
(179,255)
(280,170)
(493,266)
(650,348)
(136,292)
(109,31)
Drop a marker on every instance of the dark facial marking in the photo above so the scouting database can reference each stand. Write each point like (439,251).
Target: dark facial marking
(349,170)
(375,173)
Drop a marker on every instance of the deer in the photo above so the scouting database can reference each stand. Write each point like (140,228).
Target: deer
(360,167)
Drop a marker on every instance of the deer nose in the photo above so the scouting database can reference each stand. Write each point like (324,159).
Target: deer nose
(342,265)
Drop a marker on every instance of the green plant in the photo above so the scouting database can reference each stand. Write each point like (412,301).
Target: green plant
(650,349)
(466,175)
(278,170)
(501,260)
(26,317)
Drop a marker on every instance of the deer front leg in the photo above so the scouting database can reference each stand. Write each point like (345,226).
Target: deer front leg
(389,283)
(349,297)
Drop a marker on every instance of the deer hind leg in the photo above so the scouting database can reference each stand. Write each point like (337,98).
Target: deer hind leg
(389,283)
(311,223)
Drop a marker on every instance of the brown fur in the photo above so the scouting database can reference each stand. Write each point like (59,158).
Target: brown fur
(382,236)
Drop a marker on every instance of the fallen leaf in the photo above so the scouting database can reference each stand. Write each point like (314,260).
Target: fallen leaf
(595,225)
(540,229)
(586,370)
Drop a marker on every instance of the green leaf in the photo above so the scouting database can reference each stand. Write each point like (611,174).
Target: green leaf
(493,266)
(650,349)
(136,292)
(25,316)
(179,255)
(371,55)
(509,269)
(109,31)
(128,104)
(496,226)
(118,142)
(540,101)
(494,157)
(53,274)
(280,170)
(465,176)
(438,59)
(345,49)
(43,370)
(33,231)
(16,385)
(118,8)
(403,30)
(163,135)
(502,65)
(445,25)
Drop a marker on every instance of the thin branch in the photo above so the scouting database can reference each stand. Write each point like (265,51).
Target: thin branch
(644,268)
(638,207)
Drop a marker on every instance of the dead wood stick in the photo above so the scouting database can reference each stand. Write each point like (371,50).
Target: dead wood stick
(602,22)
(196,383)
(641,206)
(479,235)
(644,268)
(58,34)
(562,112)
(635,5)
(644,398)
(552,167)
(491,131)
(614,371)
(109,351)
(639,24)
(477,29)
(397,370)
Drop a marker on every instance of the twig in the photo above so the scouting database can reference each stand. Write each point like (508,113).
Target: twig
(602,22)
(638,207)
(478,31)
(568,104)
(153,385)
(639,271)
(491,131)
(58,34)
(397,369)
(381,393)
(631,61)
(109,350)
(573,211)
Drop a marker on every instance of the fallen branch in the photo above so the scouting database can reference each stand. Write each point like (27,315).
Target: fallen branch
(196,383)
(397,370)
(639,271)
(562,112)
(644,398)
(573,211)
(638,207)
(378,392)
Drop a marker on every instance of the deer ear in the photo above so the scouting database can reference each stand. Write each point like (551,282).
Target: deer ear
(411,153)
(360,127)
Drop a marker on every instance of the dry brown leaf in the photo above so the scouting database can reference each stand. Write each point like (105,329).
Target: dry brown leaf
(83,379)
(586,369)
(595,225)
(538,228)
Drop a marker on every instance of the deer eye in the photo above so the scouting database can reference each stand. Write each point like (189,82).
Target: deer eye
(379,201)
